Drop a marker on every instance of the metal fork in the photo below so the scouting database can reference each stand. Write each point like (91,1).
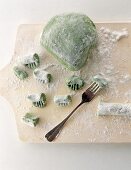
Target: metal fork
(87,96)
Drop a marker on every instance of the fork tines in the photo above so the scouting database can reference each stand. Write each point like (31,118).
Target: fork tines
(94,87)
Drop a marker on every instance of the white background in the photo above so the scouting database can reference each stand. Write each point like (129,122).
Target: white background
(15,155)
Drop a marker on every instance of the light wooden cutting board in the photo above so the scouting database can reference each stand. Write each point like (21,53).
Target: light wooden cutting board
(84,126)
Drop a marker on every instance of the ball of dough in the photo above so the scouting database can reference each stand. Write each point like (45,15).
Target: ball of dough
(69,38)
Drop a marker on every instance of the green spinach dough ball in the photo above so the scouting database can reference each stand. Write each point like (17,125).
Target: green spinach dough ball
(69,38)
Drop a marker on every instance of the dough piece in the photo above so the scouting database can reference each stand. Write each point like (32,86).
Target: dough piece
(30,119)
(75,82)
(62,100)
(100,80)
(69,38)
(38,100)
(42,76)
(32,61)
(119,109)
(20,73)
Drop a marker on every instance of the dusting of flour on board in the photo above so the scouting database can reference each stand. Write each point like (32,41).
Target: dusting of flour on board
(100,62)
(103,60)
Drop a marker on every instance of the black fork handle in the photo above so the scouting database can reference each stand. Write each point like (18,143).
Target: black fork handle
(52,134)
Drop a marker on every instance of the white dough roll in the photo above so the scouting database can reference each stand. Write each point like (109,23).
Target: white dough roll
(114,109)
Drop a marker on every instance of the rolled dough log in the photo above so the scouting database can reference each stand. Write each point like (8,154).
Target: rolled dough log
(119,109)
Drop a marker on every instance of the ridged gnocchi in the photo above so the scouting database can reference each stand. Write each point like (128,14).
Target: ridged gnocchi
(62,100)
(31,61)
(30,119)
(75,82)
(42,76)
(38,100)
(20,73)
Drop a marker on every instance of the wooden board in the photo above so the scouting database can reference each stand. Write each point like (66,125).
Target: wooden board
(84,126)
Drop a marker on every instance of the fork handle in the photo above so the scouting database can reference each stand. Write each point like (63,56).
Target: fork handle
(52,134)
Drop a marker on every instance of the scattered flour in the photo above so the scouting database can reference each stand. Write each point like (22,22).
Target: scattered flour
(125,78)
(100,63)
(114,35)
(128,95)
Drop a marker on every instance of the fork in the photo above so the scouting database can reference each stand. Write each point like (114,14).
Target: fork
(87,96)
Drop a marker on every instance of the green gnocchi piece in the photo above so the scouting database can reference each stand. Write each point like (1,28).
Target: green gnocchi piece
(69,38)
(75,82)
(62,100)
(42,76)
(20,73)
(38,100)
(30,119)
(100,80)
(32,61)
